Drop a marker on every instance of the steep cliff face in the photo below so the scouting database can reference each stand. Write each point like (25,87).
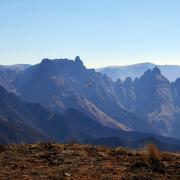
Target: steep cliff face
(155,100)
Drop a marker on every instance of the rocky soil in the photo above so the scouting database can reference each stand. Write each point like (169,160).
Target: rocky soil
(74,161)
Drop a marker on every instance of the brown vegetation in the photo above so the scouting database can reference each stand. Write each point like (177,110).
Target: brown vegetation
(74,161)
(153,151)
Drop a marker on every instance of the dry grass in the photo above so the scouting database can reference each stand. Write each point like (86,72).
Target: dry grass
(153,151)
(74,161)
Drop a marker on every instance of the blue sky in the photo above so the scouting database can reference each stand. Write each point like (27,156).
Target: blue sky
(101,32)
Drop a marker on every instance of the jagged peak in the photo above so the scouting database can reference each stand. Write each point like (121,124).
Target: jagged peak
(128,80)
(156,70)
(78,60)
(52,66)
(45,60)
(119,81)
(154,75)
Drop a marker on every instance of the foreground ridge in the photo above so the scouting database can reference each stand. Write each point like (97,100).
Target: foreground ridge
(75,161)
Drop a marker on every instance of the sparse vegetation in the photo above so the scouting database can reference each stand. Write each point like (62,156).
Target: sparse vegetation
(153,151)
(75,161)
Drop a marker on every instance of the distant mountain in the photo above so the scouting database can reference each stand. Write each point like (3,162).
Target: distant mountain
(31,123)
(27,123)
(16,67)
(62,84)
(171,72)
(149,103)
(163,143)
(154,98)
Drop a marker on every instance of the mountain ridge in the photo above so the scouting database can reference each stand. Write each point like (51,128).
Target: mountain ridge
(146,104)
(22,122)
(137,70)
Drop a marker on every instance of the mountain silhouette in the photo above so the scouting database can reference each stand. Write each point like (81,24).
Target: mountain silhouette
(148,104)
(171,72)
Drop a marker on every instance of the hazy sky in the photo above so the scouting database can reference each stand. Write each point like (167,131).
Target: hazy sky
(101,32)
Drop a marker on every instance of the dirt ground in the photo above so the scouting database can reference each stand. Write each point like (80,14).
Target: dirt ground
(74,161)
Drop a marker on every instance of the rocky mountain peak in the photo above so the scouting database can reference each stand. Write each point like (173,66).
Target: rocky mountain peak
(78,61)
(154,75)
(45,61)
(128,81)
(156,71)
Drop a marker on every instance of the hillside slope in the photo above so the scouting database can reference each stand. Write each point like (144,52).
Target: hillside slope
(29,122)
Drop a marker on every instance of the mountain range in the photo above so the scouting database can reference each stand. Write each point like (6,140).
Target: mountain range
(171,72)
(31,123)
(62,100)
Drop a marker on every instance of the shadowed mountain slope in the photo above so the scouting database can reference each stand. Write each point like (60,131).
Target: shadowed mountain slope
(154,98)
(29,122)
